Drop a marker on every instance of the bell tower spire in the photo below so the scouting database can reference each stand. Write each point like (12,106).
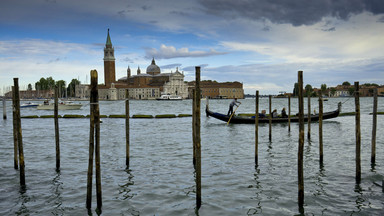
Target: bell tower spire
(109,62)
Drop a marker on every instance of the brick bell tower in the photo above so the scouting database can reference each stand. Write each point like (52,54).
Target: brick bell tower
(109,63)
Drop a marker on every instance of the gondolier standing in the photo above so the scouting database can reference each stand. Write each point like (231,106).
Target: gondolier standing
(233,103)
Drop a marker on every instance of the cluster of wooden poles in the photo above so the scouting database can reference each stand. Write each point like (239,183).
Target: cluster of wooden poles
(301,133)
(94,138)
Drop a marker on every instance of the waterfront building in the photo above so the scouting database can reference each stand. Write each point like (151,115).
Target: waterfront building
(217,90)
(342,91)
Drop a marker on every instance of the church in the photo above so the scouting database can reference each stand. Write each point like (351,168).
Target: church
(143,86)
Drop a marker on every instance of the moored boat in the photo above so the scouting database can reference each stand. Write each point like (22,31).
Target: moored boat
(236,119)
(28,105)
(169,97)
(67,105)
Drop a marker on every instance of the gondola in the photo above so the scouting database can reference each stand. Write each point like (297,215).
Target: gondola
(236,119)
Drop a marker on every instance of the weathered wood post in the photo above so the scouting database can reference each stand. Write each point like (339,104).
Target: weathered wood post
(374,124)
(194,125)
(127,128)
(382,185)
(270,117)
(198,140)
(16,106)
(257,129)
(57,138)
(94,136)
(301,142)
(91,144)
(97,148)
(289,112)
(15,143)
(4,108)
(321,129)
(358,134)
(309,116)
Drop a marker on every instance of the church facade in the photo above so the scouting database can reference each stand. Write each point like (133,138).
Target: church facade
(142,86)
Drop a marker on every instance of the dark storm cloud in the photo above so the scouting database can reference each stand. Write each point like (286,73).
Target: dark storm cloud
(295,12)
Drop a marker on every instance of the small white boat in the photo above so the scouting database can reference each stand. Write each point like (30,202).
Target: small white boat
(67,105)
(28,104)
(169,97)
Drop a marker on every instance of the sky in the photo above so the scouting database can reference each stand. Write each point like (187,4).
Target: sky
(260,43)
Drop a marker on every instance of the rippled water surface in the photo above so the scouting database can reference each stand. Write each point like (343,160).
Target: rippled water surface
(160,180)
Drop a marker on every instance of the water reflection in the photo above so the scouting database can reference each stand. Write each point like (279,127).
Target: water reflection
(359,199)
(125,191)
(320,175)
(373,169)
(258,193)
(56,199)
(307,149)
(24,198)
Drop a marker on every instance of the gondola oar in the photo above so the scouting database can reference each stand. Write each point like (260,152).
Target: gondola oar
(232,114)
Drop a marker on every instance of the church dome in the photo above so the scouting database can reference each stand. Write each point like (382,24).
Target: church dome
(153,69)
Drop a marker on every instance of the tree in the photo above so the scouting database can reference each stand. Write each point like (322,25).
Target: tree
(371,84)
(346,83)
(323,88)
(72,87)
(29,87)
(296,90)
(45,84)
(41,84)
(50,83)
(61,87)
(308,90)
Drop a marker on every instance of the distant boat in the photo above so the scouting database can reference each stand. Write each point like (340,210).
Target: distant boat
(28,104)
(169,97)
(67,105)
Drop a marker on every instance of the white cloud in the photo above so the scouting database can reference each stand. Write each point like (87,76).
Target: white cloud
(168,52)
(36,48)
(31,59)
(30,72)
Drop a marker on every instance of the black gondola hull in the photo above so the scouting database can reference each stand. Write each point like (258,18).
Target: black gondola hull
(251,119)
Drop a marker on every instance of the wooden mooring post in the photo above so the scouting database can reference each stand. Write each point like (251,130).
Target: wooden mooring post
(270,117)
(194,126)
(127,128)
(289,112)
(15,143)
(358,133)
(309,116)
(16,107)
(301,143)
(197,139)
(321,129)
(374,124)
(57,137)
(257,129)
(4,108)
(94,144)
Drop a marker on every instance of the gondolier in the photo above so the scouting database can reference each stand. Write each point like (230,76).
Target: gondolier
(233,103)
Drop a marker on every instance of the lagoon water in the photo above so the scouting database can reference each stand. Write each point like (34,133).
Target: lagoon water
(160,180)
